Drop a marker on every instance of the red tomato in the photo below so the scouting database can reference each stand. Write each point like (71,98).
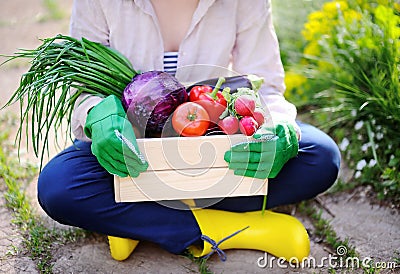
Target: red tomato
(190,119)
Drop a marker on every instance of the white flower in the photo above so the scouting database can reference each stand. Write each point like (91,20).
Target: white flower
(358,125)
(391,157)
(361,164)
(344,144)
(379,136)
(364,147)
(372,163)
(353,112)
(358,174)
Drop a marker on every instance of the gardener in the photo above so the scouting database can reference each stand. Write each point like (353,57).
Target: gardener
(76,187)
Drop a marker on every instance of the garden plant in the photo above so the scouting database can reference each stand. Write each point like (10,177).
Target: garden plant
(348,78)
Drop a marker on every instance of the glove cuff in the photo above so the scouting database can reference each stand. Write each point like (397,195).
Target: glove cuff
(293,140)
(111,105)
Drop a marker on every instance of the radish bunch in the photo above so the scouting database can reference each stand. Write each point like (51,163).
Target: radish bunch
(243,113)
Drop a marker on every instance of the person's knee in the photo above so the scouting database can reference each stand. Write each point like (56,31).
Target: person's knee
(328,161)
(51,194)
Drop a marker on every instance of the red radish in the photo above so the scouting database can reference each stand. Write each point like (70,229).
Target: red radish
(248,125)
(259,116)
(245,105)
(229,125)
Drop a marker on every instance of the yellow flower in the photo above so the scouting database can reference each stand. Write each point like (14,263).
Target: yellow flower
(316,16)
(294,81)
(397,6)
(332,7)
(314,29)
(352,16)
(322,22)
(312,49)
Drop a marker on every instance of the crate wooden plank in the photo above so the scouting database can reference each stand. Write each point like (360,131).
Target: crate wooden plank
(177,153)
(187,184)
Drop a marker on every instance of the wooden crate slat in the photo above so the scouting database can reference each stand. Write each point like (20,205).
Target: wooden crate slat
(177,153)
(187,184)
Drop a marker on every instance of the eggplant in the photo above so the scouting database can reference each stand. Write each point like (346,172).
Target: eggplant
(233,82)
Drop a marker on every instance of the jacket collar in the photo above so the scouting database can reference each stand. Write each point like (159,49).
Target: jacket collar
(201,10)
(145,5)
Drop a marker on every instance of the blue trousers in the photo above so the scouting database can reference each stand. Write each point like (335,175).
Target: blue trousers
(75,190)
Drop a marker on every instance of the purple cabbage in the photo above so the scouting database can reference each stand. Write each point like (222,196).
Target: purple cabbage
(150,99)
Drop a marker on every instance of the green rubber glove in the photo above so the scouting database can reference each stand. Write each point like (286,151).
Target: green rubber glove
(113,139)
(265,156)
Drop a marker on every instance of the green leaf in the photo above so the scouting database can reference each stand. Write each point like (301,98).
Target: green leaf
(62,68)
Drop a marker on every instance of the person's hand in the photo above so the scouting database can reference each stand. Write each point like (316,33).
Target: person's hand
(265,156)
(113,139)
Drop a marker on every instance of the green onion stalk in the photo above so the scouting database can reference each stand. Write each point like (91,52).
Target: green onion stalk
(62,68)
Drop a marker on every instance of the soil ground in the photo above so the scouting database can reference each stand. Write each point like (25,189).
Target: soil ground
(371,228)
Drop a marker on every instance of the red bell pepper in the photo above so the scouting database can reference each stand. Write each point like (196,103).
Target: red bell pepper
(211,99)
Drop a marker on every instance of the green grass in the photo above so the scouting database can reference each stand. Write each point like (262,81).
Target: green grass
(5,23)
(200,262)
(53,11)
(324,230)
(38,239)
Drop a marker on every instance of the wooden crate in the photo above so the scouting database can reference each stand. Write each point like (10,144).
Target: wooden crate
(187,168)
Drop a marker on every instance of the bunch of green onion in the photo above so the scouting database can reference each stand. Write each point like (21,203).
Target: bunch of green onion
(62,68)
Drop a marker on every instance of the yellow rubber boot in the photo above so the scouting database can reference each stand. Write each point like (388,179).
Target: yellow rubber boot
(121,248)
(278,234)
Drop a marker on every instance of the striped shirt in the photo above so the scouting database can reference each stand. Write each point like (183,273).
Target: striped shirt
(170,62)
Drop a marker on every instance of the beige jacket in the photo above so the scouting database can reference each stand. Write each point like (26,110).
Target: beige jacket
(226,37)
